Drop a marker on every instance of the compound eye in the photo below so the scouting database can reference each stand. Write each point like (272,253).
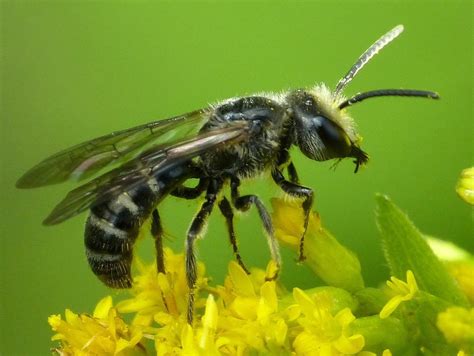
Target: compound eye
(334,138)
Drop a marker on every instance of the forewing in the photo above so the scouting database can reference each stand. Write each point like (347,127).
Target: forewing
(86,159)
(138,171)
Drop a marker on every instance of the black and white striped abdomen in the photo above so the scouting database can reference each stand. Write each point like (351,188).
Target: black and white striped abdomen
(113,226)
(111,230)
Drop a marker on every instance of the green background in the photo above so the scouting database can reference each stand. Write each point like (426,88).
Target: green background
(73,71)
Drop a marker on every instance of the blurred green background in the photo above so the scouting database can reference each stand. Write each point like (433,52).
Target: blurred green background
(73,71)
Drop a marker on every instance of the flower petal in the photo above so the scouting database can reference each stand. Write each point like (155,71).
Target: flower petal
(305,302)
(242,284)
(350,345)
(390,307)
(102,308)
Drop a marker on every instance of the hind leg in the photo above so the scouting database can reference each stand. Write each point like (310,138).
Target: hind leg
(194,232)
(157,233)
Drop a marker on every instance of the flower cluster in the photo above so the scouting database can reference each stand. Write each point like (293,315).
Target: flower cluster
(103,333)
(244,315)
(251,314)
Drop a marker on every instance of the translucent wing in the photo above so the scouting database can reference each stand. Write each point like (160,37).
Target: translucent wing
(86,159)
(139,170)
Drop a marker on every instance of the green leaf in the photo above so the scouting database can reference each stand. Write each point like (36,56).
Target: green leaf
(405,248)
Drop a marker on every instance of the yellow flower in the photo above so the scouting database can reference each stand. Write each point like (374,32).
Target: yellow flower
(465,186)
(156,295)
(249,312)
(457,326)
(321,332)
(403,291)
(179,338)
(332,262)
(102,333)
(244,316)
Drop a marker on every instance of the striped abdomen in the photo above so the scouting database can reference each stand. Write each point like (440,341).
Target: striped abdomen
(113,226)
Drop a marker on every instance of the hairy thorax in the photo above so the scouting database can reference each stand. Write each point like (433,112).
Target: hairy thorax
(268,126)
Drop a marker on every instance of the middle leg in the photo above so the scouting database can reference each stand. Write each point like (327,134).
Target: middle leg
(226,210)
(184,192)
(243,203)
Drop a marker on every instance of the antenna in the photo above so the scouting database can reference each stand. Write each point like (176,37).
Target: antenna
(367,56)
(388,92)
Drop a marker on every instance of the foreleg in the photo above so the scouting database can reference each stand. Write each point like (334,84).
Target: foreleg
(298,191)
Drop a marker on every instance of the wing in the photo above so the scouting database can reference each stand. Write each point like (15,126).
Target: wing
(86,159)
(139,170)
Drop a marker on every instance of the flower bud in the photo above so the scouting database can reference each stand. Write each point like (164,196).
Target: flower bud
(332,262)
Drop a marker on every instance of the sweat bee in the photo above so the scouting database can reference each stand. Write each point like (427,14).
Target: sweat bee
(220,145)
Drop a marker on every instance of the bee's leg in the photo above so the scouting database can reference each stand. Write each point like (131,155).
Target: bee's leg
(191,193)
(292,174)
(298,191)
(157,233)
(194,231)
(243,203)
(284,160)
(226,210)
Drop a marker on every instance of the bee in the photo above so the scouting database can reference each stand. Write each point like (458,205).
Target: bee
(221,145)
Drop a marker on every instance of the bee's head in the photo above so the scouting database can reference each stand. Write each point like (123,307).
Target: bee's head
(323,128)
